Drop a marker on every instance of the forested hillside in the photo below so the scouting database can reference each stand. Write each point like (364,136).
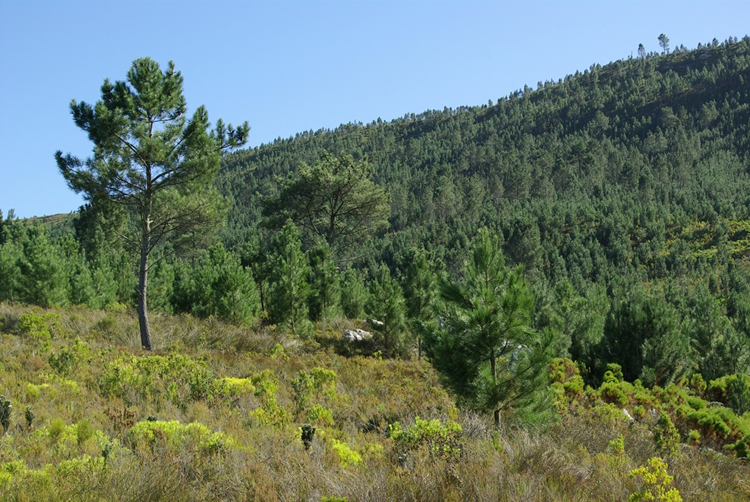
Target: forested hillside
(572,257)
(628,181)
(618,163)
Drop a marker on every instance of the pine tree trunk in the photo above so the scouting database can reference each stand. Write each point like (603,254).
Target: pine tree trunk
(142,289)
(493,365)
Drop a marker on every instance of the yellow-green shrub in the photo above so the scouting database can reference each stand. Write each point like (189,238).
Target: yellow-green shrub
(39,327)
(269,412)
(178,436)
(656,483)
(440,439)
(347,456)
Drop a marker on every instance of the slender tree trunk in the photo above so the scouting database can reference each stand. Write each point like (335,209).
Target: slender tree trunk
(143,287)
(262,292)
(493,365)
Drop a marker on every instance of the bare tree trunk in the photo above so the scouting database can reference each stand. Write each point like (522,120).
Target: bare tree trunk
(142,289)
(493,365)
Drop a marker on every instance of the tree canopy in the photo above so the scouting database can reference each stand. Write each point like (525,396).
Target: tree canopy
(334,200)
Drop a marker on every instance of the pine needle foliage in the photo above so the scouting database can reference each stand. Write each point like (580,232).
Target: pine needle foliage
(486,351)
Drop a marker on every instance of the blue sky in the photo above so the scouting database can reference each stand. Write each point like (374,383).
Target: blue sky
(292,66)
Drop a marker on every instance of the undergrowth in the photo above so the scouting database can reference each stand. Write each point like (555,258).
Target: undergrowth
(216,412)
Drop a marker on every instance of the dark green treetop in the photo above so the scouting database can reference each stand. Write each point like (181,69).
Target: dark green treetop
(334,200)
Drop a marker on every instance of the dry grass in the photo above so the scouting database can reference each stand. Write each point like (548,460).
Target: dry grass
(570,460)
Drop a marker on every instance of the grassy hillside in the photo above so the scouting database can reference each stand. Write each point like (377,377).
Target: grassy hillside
(215,413)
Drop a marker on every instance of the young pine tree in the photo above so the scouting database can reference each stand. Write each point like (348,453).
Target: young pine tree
(43,278)
(485,350)
(257,257)
(387,305)
(354,294)
(325,292)
(216,285)
(230,292)
(287,302)
(11,253)
(420,293)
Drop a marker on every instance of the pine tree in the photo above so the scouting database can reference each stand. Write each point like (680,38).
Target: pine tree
(333,200)
(257,258)
(420,293)
(325,292)
(150,161)
(485,350)
(287,303)
(43,280)
(386,304)
(224,288)
(354,294)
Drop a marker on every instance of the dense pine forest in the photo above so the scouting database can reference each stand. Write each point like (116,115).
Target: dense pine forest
(570,260)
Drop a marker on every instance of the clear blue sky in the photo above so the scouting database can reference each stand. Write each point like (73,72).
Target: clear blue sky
(291,66)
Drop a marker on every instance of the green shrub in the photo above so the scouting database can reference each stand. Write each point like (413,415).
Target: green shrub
(712,421)
(278,352)
(39,327)
(697,383)
(441,440)
(615,371)
(176,378)
(605,413)
(56,429)
(319,382)
(617,446)
(269,412)
(666,436)
(347,456)
(612,392)
(694,436)
(5,411)
(79,466)
(178,437)
(319,415)
(741,447)
(733,391)
(656,483)
(83,431)
(229,387)
(68,360)
(696,403)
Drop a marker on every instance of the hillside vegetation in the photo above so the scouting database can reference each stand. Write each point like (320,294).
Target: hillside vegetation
(572,259)
(215,413)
